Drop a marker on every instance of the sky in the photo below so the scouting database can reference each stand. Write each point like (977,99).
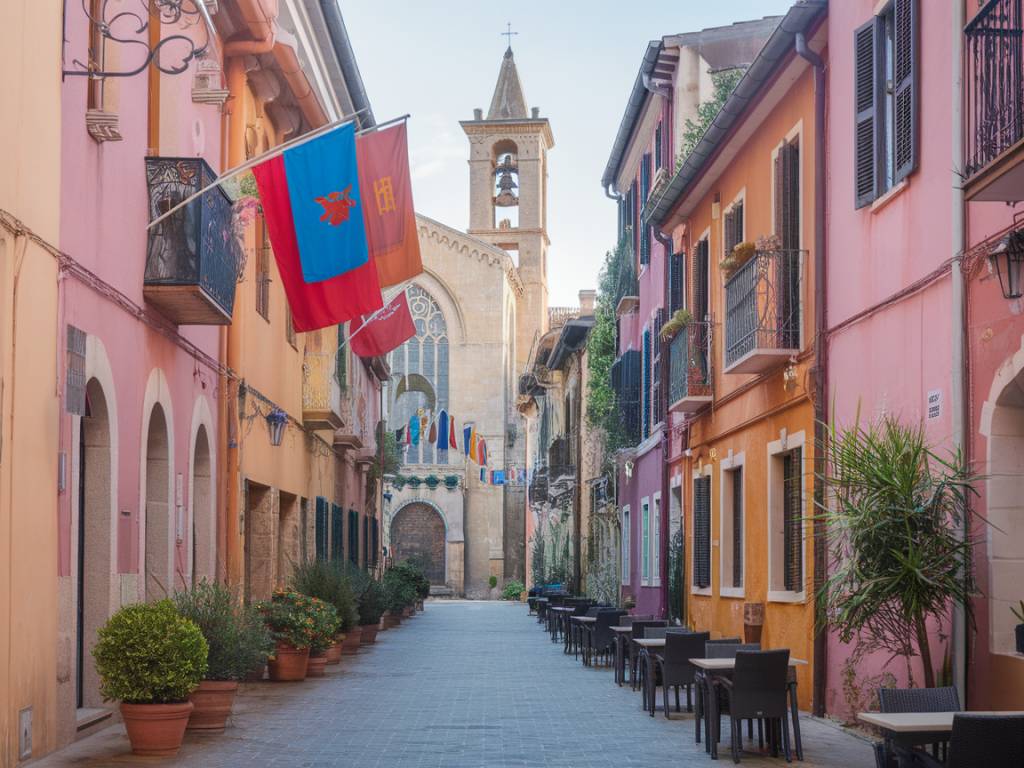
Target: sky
(577,60)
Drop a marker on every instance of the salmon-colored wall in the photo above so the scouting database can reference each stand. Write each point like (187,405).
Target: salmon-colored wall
(750,411)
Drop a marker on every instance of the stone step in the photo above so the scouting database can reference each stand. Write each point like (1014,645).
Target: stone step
(441,590)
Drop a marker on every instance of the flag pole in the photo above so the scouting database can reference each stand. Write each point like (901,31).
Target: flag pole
(232,172)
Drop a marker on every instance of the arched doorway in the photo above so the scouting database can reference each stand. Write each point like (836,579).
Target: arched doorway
(204,543)
(418,531)
(158,517)
(94,540)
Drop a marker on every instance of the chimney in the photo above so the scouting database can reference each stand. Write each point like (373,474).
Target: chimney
(587,298)
(535,112)
(478,114)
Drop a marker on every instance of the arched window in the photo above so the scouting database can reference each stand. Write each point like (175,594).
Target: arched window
(419,375)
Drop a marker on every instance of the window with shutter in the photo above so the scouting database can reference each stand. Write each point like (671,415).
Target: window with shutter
(866,114)
(645,387)
(904,127)
(645,191)
(74,373)
(737,527)
(629,404)
(657,404)
(700,281)
(375,542)
(732,228)
(353,537)
(320,534)
(792,522)
(645,541)
(656,541)
(337,533)
(702,532)
(626,532)
(676,264)
(659,154)
(787,227)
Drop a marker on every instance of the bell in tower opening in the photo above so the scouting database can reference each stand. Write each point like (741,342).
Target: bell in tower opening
(506,173)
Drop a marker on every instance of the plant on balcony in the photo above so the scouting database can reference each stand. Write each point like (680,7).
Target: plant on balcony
(150,658)
(740,255)
(894,512)
(679,320)
(724,82)
(238,644)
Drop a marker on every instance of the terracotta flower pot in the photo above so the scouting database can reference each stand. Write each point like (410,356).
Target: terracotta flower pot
(334,652)
(288,664)
(390,621)
(419,605)
(212,702)
(156,729)
(352,639)
(316,664)
(368,636)
(407,612)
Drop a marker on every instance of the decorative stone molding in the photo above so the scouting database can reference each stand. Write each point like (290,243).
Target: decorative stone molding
(471,247)
(102,125)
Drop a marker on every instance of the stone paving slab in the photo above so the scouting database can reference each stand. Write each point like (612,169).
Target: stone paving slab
(463,685)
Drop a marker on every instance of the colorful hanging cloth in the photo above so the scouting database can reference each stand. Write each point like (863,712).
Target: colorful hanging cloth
(414,430)
(453,441)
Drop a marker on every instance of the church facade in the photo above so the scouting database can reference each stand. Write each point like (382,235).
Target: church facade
(479,307)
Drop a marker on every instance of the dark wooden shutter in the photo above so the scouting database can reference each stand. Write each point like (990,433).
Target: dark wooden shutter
(905,89)
(366,539)
(645,428)
(657,401)
(737,527)
(732,228)
(702,532)
(353,536)
(629,400)
(645,191)
(792,521)
(659,155)
(866,101)
(74,373)
(337,533)
(375,542)
(787,195)
(700,281)
(676,264)
(321,528)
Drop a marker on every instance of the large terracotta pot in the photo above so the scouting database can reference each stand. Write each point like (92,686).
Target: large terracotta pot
(390,621)
(213,700)
(352,639)
(368,636)
(407,612)
(156,729)
(334,652)
(288,664)
(316,664)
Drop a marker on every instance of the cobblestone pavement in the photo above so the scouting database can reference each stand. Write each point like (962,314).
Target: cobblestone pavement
(464,684)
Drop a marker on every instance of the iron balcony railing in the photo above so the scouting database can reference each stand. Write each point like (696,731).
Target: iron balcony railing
(690,363)
(763,305)
(195,247)
(994,82)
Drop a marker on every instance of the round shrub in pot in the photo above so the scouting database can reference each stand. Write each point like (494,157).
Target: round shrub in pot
(238,642)
(325,624)
(150,659)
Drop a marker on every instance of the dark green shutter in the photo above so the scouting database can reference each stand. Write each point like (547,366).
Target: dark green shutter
(375,538)
(337,531)
(702,532)
(353,536)
(792,521)
(321,528)
(676,264)
(866,102)
(905,89)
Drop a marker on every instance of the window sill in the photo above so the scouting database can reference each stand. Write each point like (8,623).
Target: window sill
(889,196)
(706,591)
(787,597)
(732,592)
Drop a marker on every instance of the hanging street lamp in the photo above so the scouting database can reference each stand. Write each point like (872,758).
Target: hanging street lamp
(1007,258)
(276,420)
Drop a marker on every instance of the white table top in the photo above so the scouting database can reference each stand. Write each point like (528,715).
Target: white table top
(917,722)
(651,642)
(717,665)
(584,619)
(622,630)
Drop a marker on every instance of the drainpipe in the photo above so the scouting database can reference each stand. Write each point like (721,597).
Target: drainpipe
(347,60)
(820,654)
(666,432)
(958,633)
(616,196)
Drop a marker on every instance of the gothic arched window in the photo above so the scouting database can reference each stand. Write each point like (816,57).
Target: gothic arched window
(419,374)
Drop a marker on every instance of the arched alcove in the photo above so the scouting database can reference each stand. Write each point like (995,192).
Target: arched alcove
(158,507)
(204,544)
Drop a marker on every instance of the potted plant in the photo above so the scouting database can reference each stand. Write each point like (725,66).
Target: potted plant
(740,254)
(288,616)
(329,582)
(325,629)
(150,659)
(679,320)
(400,594)
(370,598)
(514,590)
(237,641)
(1018,614)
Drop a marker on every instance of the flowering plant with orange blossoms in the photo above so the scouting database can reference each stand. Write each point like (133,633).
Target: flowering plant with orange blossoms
(291,617)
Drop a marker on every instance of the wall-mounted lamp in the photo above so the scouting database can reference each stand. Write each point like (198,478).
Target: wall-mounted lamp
(789,376)
(629,469)
(388,496)
(276,420)
(1007,258)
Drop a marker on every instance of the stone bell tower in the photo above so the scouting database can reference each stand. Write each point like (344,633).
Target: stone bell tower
(508,170)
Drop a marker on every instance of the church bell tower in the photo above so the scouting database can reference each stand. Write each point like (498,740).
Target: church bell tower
(508,194)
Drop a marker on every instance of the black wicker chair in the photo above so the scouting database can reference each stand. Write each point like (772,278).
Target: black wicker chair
(943,699)
(757,691)
(724,648)
(598,636)
(675,668)
(640,626)
(981,741)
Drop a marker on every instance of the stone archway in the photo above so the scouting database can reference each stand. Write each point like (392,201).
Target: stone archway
(418,531)
(158,507)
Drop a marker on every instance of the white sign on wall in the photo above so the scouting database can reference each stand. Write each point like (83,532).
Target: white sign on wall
(934,403)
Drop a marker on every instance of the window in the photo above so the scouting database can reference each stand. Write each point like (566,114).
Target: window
(337,532)
(262,269)
(341,359)
(321,528)
(699,303)
(375,540)
(786,519)
(676,266)
(419,374)
(625,545)
(366,540)
(645,390)
(732,228)
(657,401)
(732,534)
(656,542)
(659,149)
(289,326)
(353,537)
(702,532)
(787,227)
(645,191)
(96,53)
(645,541)
(885,86)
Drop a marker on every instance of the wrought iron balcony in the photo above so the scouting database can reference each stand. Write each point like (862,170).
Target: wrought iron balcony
(321,394)
(192,256)
(994,104)
(689,385)
(763,301)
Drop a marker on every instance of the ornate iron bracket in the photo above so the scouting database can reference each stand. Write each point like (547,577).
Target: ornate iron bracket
(129,27)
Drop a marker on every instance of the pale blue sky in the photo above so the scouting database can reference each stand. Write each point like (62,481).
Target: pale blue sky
(438,59)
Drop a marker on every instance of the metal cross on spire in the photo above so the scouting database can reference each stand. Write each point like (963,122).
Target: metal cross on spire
(509,33)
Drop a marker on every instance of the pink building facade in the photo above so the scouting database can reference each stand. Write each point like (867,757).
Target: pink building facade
(889,243)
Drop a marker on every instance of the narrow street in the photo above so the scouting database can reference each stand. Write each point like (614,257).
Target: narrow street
(463,684)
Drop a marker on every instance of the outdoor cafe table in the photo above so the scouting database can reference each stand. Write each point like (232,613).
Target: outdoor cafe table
(722,667)
(621,635)
(909,729)
(580,622)
(559,612)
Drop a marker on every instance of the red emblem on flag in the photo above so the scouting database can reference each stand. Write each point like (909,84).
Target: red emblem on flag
(336,206)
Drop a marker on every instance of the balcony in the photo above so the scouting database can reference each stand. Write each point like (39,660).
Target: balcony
(192,256)
(321,392)
(689,385)
(994,103)
(763,301)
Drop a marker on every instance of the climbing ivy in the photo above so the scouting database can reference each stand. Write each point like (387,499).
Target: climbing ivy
(724,83)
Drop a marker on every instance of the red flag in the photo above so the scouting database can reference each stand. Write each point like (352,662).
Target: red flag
(386,331)
(452,441)
(386,191)
(313,305)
